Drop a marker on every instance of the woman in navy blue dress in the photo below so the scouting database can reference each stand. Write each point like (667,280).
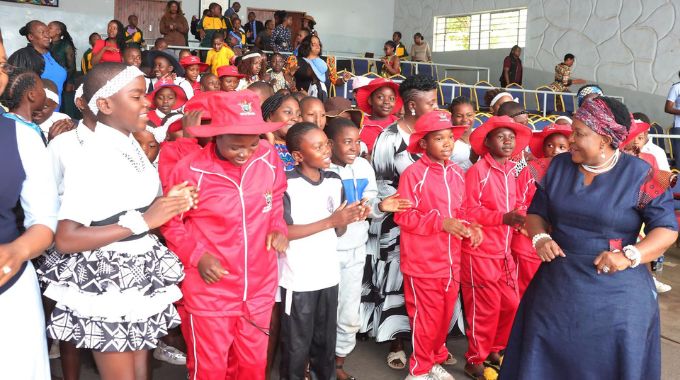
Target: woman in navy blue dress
(591,310)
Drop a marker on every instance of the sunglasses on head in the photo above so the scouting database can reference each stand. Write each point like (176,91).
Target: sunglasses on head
(519,113)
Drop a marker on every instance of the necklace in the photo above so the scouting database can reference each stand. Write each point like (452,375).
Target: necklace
(606,166)
(410,130)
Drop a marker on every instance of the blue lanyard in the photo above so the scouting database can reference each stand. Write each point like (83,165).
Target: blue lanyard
(29,124)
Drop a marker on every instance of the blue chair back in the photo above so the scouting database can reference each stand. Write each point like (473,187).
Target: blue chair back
(549,98)
(479,91)
(361,66)
(447,90)
(568,103)
(517,94)
(656,129)
(427,69)
(371,75)
(407,69)
(541,123)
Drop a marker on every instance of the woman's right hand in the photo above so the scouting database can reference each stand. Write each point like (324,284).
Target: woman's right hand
(548,250)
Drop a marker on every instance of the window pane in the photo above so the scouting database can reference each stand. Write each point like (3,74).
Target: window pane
(487,30)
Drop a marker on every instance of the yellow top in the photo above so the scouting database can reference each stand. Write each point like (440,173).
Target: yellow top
(219,58)
(213,23)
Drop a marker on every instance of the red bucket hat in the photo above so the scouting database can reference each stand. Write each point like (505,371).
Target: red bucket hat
(436,120)
(229,71)
(522,134)
(364,93)
(190,60)
(198,103)
(236,113)
(179,94)
(536,143)
(637,127)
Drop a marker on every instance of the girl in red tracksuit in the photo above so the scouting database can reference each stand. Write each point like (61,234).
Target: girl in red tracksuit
(431,233)
(488,271)
(228,243)
(551,141)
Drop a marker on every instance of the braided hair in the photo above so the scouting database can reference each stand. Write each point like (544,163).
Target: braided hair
(414,85)
(273,103)
(20,81)
(295,134)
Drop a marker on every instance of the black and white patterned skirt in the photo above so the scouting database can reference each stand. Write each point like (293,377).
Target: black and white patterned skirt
(114,299)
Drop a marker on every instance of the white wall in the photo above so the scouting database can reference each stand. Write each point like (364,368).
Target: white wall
(630,47)
(81,17)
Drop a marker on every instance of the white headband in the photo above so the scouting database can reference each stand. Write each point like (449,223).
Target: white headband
(251,55)
(499,96)
(564,118)
(51,95)
(79,92)
(114,85)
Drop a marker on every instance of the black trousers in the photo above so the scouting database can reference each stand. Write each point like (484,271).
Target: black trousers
(309,332)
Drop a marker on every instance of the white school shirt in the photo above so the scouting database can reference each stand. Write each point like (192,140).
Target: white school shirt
(38,191)
(461,155)
(65,150)
(311,263)
(112,175)
(47,124)
(658,153)
(674,96)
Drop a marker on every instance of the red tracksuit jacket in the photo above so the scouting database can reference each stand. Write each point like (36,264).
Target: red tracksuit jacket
(234,215)
(436,191)
(490,192)
(171,153)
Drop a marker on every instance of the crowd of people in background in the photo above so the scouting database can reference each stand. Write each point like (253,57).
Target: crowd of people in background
(218,208)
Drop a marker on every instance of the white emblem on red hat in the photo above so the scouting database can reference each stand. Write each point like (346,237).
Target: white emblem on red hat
(246,109)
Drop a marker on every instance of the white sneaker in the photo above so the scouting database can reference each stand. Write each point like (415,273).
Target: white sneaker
(54,353)
(426,376)
(439,373)
(169,354)
(661,287)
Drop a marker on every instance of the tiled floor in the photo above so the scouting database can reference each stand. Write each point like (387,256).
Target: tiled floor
(368,360)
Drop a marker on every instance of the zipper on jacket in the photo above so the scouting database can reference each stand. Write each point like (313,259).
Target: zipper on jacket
(448,197)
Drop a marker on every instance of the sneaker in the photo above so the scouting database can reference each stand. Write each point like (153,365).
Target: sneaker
(426,376)
(439,373)
(660,287)
(54,350)
(169,354)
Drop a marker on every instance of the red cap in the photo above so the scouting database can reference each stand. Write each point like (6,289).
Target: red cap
(229,71)
(636,128)
(179,94)
(522,134)
(536,143)
(436,120)
(234,113)
(364,93)
(189,60)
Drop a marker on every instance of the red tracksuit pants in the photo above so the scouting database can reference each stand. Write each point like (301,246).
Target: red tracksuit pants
(429,304)
(526,269)
(226,348)
(490,301)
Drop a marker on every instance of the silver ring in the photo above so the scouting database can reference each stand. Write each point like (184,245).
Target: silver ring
(6,269)
(605,269)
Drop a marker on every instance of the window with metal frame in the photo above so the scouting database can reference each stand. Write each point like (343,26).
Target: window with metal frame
(480,31)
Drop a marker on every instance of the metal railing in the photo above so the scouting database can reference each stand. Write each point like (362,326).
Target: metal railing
(416,65)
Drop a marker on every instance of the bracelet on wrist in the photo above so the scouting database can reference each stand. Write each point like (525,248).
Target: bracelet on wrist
(134,221)
(539,237)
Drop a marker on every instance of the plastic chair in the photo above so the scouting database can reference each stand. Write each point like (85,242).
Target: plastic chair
(427,69)
(656,129)
(371,75)
(447,91)
(483,116)
(397,78)
(361,66)
(406,68)
(519,95)
(477,122)
(568,103)
(479,91)
(549,98)
(541,123)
